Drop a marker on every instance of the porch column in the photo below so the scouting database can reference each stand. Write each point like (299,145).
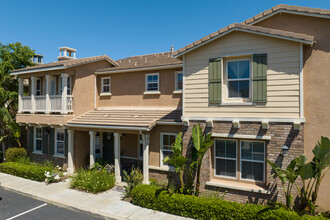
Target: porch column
(64,78)
(146,158)
(117,157)
(33,93)
(91,147)
(20,94)
(70,151)
(48,107)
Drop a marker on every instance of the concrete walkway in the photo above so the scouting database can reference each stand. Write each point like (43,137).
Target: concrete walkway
(107,204)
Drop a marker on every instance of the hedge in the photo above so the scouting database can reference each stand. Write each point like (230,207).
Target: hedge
(15,153)
(30,171)
(153,197)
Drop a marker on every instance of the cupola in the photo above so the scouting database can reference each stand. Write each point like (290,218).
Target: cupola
(66,53)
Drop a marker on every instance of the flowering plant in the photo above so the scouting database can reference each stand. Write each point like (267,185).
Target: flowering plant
(51,177)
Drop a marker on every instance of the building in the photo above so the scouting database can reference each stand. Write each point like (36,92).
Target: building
(261,88)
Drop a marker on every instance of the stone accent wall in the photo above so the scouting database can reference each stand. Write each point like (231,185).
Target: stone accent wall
(281,134)
(42,158)
(163,177)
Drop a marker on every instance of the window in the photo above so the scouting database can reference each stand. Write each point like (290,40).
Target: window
(38,87)
(140,146)
(37,140)
(178,81)
(250,157)
(68,85)
(225,158)
(238,78)
(105,84)
(252,160)
(59,142)
(167,139)
(152,82)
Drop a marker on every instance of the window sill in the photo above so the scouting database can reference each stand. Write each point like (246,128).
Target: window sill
(236,103)
(105,94)
(151,93)
(177,92)
(163,168)
(37,152)
(59,156)
(238,186)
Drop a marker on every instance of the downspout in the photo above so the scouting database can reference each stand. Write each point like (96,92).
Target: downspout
(301,80)
(94,91)
(183,87)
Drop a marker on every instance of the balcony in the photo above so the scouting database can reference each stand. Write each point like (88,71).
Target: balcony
(55,104)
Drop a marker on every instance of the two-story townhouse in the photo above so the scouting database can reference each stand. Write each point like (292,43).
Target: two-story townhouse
(261,89)
(124,112)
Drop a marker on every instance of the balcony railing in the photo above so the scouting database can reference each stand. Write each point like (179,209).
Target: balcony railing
(41,104)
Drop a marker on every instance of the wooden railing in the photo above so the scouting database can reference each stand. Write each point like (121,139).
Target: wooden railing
(41,104)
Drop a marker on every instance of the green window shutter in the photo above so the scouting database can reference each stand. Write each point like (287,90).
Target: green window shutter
(66,143)
(259,76)
(215,74)
(52,141)
(44,141)
(31,139)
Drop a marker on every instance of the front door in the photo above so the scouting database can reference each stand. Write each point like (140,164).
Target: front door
(108,148)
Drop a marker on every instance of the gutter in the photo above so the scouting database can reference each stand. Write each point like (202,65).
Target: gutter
(139,69)
(41,69)
(113,127)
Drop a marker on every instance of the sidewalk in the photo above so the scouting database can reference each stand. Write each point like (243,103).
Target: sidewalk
(107,204)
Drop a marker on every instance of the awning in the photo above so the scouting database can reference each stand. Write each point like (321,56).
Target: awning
(141,119)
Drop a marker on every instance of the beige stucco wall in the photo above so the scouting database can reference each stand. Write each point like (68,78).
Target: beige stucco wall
(127,90)
(43,119)
(81,148)
(316,82)
(129,147)
(282,77)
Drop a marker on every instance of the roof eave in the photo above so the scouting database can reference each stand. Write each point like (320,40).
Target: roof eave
(41,69)
(110,127)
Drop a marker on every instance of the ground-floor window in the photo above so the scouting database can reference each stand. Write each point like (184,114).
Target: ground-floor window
(166,140)
(240,159)
(59,141)
(37,140)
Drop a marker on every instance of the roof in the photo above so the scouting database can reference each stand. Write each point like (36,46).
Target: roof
(287,35)
(126,118)
(64,64)
(143,61)
(289,9)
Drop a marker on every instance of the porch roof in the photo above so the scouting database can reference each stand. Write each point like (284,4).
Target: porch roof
(143,119)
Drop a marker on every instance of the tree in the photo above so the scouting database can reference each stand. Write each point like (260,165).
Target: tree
(12,56)
(201,144)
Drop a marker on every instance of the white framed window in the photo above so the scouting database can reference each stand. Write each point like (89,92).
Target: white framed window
(68,85)
(59,142)
(166,140)
(238,79)
(152,82)
(105,85)
(178,81)
(225,157)
(253,160)
(37,148)
(38,87)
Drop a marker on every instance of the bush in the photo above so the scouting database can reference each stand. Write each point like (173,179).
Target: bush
(28,171)
(93,181)
(153,197)
(15,153)
(132,179)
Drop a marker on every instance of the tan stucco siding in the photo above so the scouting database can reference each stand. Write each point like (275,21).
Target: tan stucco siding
(81,149)
(282,77)
(129,146)
(127,90)
(43,119)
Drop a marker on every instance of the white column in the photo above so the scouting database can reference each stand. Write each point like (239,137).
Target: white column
(20,94)
(48,107)
(70,151)
(64,78)
(145,158)
(117,157)
(91,148)
(33,93)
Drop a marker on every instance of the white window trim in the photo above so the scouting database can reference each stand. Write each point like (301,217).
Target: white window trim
(55,144)
(102,85)
(225,158)
(146,84)
(177,91)
(161,147)
(35,151)
(69,81)
(254,161)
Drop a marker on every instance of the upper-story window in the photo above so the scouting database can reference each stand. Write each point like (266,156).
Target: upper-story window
(68,85)
(38,87)
(105,87)
(238,79)
(152,82)
(178,80)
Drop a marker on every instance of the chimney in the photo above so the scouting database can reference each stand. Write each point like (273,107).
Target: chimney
(37,59)
(66,53)
(172,49)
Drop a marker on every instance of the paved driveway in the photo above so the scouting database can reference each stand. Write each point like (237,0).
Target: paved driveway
(17,206)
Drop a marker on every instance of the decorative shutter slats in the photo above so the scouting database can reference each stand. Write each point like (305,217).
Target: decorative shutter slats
(44,141)
(31,139)
(259,76)
(51,141)
(66,143)
(215,73)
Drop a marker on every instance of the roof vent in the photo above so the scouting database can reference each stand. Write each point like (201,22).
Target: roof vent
(66,53)
(37,59)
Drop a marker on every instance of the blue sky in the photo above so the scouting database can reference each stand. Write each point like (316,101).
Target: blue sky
(123,28)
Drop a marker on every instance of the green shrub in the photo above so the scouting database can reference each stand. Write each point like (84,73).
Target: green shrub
(24,160)
(15,153)
(132,179)
(153,197)
(28,171)
(93,181)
